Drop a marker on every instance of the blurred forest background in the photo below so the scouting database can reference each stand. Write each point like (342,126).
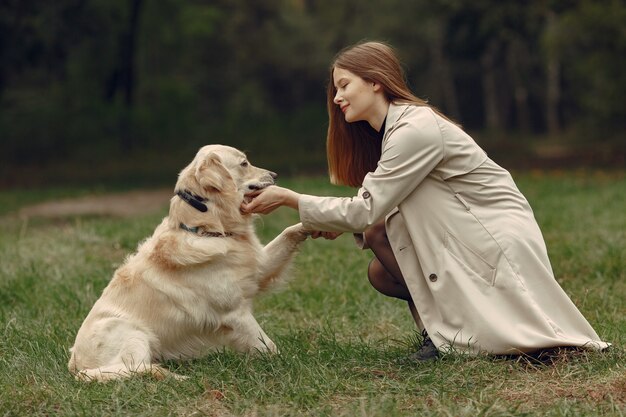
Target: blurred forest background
(126,90)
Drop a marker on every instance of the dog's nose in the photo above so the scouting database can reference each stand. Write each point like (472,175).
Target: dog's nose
(273,175)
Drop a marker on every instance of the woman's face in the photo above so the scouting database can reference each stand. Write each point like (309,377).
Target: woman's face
(354,96)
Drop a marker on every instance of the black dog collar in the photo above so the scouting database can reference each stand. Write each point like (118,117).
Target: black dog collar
(193,200)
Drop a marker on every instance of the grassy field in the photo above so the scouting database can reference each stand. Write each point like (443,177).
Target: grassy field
(342,344)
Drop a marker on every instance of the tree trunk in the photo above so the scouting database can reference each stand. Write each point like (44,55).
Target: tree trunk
(493,120)
(553,90)
(129,52)
(123,77)
(517,60)
(443,72)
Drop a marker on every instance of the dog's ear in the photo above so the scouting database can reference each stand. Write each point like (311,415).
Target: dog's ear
(212,175)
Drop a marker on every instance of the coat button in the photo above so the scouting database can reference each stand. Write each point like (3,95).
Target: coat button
(432,277)
(366,194)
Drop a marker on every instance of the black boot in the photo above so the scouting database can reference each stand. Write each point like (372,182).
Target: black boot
(427,351)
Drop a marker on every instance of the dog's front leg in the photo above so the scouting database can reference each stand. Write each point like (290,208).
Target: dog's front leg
(244,334)
(278,253)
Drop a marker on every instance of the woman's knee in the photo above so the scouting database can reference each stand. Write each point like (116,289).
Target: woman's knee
(376,235)
(379,278)
(384,282)
(376,273)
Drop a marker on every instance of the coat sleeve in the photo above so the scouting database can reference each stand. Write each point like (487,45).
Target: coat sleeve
(414,147)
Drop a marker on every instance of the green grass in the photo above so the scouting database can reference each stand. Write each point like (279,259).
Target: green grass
(341,342)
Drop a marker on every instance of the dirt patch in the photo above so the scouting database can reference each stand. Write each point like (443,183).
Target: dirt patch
(533,391)
(125,204)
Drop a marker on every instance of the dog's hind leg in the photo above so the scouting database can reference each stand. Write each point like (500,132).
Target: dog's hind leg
(123,354)
(120,370)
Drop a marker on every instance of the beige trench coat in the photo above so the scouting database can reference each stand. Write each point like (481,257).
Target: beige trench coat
(465,238)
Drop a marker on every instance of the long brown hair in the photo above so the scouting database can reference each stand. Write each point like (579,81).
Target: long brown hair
(353,149)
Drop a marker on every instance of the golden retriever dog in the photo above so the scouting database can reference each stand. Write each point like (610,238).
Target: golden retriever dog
(189,288)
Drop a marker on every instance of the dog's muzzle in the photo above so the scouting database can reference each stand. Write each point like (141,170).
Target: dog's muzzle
(264,182)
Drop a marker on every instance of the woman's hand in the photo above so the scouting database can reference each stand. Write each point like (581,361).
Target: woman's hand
(269,199)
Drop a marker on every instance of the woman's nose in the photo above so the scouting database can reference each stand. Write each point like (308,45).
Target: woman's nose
(337,99)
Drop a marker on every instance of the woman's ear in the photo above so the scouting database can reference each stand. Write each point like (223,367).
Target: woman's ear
(376,87)
(212,175)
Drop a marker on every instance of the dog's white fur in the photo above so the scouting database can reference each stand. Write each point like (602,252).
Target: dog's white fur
(182,294)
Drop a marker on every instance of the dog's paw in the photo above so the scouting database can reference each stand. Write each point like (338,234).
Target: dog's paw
(259,346)
(297,232)
(83,376)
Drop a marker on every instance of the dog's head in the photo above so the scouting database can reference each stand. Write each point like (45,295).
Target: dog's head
(219,169)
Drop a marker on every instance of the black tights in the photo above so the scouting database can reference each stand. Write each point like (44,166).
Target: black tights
(383,271)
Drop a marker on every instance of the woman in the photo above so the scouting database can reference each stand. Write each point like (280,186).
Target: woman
(450,231)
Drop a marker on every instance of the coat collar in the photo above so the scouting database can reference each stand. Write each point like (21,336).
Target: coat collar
(396,110)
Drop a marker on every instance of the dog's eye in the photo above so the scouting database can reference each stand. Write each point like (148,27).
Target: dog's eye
(244,164)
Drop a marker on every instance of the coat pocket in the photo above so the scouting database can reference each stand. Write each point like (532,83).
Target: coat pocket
(470,259)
